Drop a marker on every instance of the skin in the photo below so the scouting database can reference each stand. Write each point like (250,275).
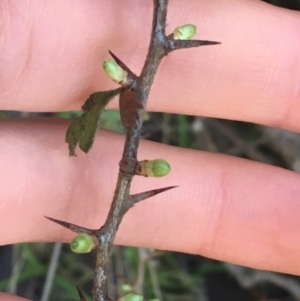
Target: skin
(226,208)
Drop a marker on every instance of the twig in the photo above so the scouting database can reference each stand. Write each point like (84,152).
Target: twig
(51,271)
(142,87)
(154,278)
(143,257)
(18,264)
(133,99)
(137,93)
(247,280)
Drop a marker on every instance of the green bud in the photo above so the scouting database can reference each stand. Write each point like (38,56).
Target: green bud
(184,32)
(131,297)
(82,243)
(127,288)
(114,71)
(153,168)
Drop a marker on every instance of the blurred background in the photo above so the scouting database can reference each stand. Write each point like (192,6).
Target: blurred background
(50,272)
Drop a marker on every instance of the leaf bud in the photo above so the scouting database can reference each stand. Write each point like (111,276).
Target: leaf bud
(114,71)
(82,243)
(131,297)
(153,168)
(184,32)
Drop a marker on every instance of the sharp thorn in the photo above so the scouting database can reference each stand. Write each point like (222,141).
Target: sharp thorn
(122,65)
(204,43)
(135,198)
(81,296)
(182,44)
(72,227)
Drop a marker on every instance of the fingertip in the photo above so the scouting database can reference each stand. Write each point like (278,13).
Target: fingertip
(7,297)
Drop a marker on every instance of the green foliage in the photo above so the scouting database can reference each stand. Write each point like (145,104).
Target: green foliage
(110,120)
(131,297)
(83,129)
(183,132)
(30,266)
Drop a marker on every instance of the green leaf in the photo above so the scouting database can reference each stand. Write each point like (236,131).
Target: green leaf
(83,129)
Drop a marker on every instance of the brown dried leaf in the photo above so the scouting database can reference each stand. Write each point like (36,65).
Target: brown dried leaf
(129,106)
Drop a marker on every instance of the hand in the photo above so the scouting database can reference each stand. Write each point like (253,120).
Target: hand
(226,208)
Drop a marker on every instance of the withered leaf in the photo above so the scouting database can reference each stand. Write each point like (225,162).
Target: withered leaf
(129,107)
(83,129)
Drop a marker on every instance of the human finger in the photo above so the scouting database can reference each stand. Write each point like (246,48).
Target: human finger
(7,297)
(224,208)
(252,76)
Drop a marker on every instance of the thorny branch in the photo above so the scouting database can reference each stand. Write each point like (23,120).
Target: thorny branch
(133,99)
